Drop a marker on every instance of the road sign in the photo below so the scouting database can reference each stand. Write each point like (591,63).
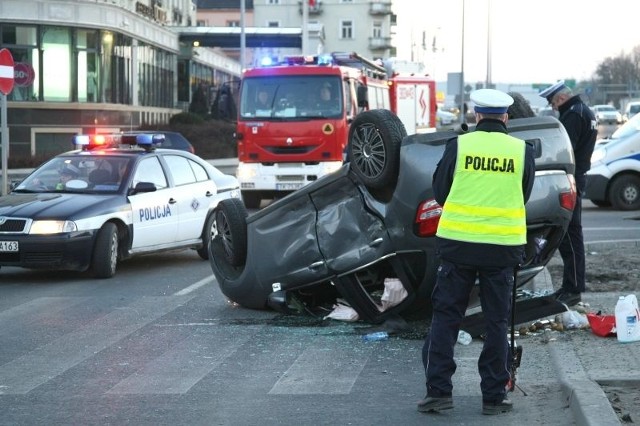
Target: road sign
(23,74)
(6,71)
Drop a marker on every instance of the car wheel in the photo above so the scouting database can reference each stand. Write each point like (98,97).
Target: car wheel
(207,235)
(625,193)
(231,230)
(105,252)
(251,199)
(375,137)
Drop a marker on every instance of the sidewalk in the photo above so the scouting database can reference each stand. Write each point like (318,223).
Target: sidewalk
(585,362)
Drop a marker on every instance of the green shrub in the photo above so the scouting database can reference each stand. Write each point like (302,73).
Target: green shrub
(186,118)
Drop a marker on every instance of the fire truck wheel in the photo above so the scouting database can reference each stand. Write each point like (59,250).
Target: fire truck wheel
(375,137)
(251,199)
(230,235)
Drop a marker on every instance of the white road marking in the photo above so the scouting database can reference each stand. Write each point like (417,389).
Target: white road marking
(37,367)
(194,287)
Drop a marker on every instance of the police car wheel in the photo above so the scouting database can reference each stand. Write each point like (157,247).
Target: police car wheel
(231,230)
(207,235)
(375,137)
(625,193)
(105,252)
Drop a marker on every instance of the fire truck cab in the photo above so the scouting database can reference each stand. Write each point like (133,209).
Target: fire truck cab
(293,117)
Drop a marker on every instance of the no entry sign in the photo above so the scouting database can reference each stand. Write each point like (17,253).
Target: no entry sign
(6,71)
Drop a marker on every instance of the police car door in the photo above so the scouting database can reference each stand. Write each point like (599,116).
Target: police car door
(155,214)
(195,193)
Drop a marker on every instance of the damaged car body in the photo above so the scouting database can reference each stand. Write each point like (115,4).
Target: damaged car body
(374,219)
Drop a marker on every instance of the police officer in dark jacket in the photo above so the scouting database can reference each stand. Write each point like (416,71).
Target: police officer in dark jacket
(581,125)
(482,182)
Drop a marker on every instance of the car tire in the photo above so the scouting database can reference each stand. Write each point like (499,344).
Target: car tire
(231,231)
(625,193)
(207,235)
(251,199)
(375,137)
(105,252)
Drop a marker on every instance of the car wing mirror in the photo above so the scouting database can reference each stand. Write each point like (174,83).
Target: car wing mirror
(143,187)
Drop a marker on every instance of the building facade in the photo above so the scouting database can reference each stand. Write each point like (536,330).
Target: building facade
(362,26)
(86,66)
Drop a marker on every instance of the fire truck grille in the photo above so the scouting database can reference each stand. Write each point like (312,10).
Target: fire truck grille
(284,150)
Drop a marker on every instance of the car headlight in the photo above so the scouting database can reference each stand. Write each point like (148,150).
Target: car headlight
(52,226)
(598,155)
(246,172)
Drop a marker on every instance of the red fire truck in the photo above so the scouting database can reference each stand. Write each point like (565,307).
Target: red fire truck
(293,117)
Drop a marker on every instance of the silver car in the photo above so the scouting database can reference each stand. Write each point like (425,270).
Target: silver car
(374,220)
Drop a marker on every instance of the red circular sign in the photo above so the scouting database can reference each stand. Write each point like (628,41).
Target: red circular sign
(23,74)
(6,71)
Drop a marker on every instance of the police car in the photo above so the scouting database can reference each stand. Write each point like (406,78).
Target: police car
(113,197)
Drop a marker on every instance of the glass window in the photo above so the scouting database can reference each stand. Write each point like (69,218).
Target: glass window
(150,170)
(56,63)
(22,42)
(88,65)
(377,30)
(199,171)
(346,29)
(180,170)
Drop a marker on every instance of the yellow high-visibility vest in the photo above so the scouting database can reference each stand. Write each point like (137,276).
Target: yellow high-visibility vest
(485,203)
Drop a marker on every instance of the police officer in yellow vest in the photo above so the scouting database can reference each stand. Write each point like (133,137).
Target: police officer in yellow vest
(483,181)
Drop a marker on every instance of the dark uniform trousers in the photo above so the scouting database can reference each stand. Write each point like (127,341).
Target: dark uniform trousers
(450,299)
(572,246)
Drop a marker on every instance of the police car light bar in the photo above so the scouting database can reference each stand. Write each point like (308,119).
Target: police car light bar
(87,142)
(143,140)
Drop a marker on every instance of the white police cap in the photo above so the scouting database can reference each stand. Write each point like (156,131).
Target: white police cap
(491,101)
(550,91)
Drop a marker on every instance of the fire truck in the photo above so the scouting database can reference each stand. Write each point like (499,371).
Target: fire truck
(293,117)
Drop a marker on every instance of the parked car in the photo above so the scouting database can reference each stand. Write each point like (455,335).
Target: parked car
(548,112)
(445,118)
(631,109)
(374,220)
(172,140)
(95,206)
(614,178)
(607,114)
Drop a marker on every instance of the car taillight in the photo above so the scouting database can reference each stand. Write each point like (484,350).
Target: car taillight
(427,218)
(568,199)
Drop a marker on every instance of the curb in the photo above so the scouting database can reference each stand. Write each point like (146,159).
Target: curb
(586,399)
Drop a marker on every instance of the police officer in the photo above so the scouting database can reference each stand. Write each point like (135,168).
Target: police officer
(482,182)
(582,128)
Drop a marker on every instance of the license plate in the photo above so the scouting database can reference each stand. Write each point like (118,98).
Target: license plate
(288,186)
(8,246)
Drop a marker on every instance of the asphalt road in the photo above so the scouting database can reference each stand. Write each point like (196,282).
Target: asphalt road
(158,344)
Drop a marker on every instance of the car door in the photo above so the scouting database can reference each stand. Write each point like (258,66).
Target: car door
(155,214)
(349,234)
(194,193)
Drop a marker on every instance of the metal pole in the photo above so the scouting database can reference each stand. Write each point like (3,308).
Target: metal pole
(488,82)
(462,114)
(243,39)
(5,142)
(305,27)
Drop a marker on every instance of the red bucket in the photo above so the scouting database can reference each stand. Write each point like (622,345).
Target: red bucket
(602,325)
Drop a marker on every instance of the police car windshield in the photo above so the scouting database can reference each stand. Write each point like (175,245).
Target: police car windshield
(78,174)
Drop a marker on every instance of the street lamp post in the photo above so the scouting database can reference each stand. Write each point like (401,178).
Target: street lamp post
(462,114)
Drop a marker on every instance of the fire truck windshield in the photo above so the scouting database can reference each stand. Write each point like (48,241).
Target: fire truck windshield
(291,97)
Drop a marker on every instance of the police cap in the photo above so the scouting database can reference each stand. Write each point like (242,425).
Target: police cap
(550,91)
(491,101)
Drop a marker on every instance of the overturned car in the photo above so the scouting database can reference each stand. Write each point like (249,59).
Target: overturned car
(375,219)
